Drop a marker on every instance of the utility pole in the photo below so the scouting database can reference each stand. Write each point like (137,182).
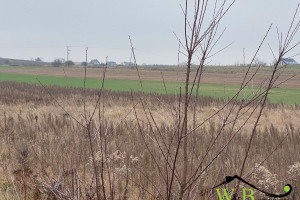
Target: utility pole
(68,52)
(244,61)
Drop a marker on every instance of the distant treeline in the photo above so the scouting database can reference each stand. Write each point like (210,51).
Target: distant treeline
(18,62)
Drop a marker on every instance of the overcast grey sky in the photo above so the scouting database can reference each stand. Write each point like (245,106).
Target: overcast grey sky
(42,28)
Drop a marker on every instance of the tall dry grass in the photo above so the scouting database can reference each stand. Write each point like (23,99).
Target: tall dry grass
(46,154)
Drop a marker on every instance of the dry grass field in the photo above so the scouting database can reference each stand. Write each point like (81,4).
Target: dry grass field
(47,154)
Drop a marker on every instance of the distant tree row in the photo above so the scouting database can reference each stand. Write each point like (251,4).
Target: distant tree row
(60,62)
(38,59)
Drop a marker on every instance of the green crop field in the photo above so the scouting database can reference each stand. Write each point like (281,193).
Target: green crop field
(286,95)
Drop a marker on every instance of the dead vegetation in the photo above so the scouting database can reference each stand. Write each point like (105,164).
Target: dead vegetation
(46,154)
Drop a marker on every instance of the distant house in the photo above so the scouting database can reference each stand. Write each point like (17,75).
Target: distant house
(111,63)
(127,64)
(94,63)
(288,61)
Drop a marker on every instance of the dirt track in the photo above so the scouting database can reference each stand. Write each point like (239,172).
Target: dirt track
(230,77)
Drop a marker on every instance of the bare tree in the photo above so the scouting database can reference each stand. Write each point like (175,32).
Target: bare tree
(38,59)
(58,62)
(182,171)
(259,62)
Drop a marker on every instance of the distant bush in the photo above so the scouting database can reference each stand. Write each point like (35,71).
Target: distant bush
(58,62)
(38,59)
(69,63)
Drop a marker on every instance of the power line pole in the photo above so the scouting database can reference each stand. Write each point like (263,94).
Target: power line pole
(244,58)
(68,53)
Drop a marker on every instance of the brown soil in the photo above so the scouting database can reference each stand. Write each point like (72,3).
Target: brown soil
(229,77)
